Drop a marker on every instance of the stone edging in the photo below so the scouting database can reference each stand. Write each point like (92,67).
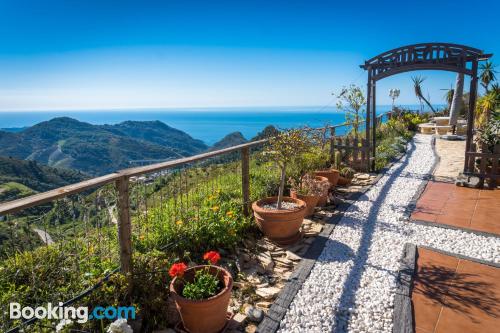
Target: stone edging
(278,310)
(403,310)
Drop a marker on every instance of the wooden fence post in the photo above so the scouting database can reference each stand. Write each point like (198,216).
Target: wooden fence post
(124,226)
(332,144)
(245,179)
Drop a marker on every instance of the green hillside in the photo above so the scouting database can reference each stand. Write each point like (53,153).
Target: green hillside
(20,177)
(97,149)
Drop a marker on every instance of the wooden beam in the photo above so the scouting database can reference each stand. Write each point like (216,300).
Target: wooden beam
(41,198)
(124,226)
(470,118)
(172,164)
(245,179)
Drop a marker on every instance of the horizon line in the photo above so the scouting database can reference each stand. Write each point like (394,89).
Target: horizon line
(190,108)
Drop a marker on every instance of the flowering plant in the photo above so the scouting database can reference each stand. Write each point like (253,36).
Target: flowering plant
(205,284)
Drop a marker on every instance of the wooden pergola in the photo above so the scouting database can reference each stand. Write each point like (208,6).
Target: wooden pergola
(425,56)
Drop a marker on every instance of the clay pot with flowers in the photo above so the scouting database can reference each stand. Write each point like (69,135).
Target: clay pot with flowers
(202,294)
(280,217)
(309,189)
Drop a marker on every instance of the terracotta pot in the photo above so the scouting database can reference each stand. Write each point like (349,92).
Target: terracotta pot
(281,226)
(207,315)
(310,200)
(343,181)
(331,174)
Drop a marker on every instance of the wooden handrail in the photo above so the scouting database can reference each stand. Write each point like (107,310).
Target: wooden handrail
(41,198)
(175,163)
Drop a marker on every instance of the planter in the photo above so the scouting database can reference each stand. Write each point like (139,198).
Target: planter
(281,226)
(343,181)
(331,174)
(207,315)
(310,200)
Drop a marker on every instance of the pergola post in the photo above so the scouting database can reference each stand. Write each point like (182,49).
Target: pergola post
(374,124)
(470,118)
(367,122)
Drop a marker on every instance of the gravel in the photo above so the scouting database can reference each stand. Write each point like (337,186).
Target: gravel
(284,205)
(351,287)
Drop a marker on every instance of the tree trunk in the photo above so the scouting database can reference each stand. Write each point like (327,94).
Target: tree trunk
(282,186)
(428,104)
(456,102)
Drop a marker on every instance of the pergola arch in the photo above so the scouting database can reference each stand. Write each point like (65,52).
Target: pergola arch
(424,56)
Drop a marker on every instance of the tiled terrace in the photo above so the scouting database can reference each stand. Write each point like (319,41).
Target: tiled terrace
(467,208)
(455,295)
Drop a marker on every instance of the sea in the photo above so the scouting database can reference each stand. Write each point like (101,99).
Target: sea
(207,124)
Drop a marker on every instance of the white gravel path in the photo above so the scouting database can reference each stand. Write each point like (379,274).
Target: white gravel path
(351,287)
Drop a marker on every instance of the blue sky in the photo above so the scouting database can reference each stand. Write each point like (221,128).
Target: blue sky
(129,54)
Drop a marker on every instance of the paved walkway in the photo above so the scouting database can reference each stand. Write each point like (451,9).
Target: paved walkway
(352,285)
(455,295)
(451,155)
(461,207)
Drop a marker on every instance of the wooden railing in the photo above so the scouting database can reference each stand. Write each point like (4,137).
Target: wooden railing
(484,165)
(360,150)
(121,180)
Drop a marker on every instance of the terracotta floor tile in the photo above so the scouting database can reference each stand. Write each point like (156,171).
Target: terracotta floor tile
(423,216)
(430,205)
(494,194)
(426,312)
(467,295)
(432,258)
(458,220)
(460,207)
(421,330)
(456,321)
(492,227)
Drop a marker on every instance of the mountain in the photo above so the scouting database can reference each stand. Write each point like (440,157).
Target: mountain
(230,140)
(268,132)
(97,149)
(20,178)
(158,133)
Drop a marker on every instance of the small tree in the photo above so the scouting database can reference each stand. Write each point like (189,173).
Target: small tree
(351,100)
(284,149)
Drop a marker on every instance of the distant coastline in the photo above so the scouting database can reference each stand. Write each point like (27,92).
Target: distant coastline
(206,124)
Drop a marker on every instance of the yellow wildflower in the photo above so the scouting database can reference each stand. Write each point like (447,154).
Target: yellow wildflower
(179,222)
(230,213)
(215,208)
(141,237)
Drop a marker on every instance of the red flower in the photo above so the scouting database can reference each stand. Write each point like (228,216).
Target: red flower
(212,256)
(177,269)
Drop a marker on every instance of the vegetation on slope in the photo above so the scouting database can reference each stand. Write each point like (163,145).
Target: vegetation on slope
(94,149)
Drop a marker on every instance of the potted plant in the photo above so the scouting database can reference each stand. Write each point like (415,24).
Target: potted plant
(310,190)
(280,217)
(332,174)
(346,175)
(201,294)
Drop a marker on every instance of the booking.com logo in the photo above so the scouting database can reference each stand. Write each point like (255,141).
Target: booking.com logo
(79,314)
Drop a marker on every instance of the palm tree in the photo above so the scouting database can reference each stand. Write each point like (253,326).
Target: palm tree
(487,74)
(417,85)
(456,101)
(448,96)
